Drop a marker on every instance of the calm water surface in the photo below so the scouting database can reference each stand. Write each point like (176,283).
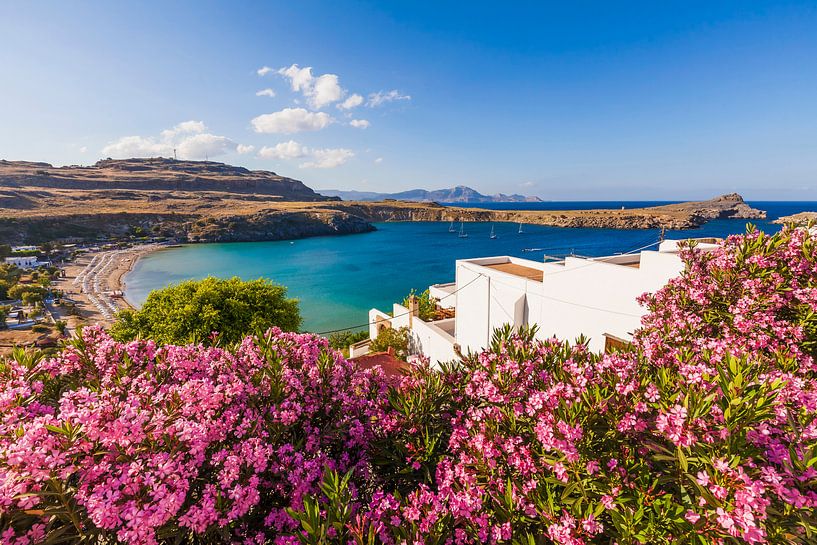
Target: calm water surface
(338,279)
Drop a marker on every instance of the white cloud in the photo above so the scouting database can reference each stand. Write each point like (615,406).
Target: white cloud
(353,101)
(265,93)
(187,139)
(381,97)
(527,184)
(137,146)
(185,127)
(83,149)
(328,158)
(205,145)
(263,71)
(291,120)
(244,149)
(284,150)
(300,79)
(319,91)
(378,160)
(325,90)
(359,123)
(318,158)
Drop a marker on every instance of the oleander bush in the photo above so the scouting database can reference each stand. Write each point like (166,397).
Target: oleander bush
(139,444)
(704,431)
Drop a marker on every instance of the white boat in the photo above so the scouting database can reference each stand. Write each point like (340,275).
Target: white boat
(520,228)
(493,233)
(462,234)
(451,228)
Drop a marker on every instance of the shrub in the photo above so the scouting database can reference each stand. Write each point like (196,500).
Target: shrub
(342,339)
(426,306)
(193,311)
(40,328)
(396,339)
(144,444)
(61,326)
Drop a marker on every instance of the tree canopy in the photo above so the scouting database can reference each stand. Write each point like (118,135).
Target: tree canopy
(191,311)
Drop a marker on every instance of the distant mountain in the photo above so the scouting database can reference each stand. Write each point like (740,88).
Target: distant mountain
(459,194)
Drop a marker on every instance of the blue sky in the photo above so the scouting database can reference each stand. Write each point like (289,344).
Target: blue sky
(577,100)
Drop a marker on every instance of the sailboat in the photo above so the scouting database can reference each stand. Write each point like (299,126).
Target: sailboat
(462,234)
(520,227)
(493,234)
(451,228)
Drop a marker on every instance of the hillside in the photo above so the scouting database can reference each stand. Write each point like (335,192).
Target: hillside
(460,194)
(200,201)
(156,174)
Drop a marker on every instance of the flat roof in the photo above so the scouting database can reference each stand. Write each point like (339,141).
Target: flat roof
(518,270)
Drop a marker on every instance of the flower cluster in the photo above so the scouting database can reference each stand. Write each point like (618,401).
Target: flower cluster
(141,443)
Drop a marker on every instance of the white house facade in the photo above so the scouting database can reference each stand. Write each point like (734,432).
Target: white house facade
(24,262)
(594,297)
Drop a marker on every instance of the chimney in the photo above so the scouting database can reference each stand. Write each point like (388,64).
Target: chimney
(414,308)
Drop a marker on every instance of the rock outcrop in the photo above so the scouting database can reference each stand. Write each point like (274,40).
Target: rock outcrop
(799,219)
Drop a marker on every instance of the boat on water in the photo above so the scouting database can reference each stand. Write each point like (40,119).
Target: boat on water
(451,228)
(462,234)
(493,233)
(520,228)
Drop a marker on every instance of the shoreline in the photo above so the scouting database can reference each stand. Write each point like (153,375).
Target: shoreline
(95,282)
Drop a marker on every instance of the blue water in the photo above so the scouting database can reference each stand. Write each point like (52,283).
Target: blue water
(338,279)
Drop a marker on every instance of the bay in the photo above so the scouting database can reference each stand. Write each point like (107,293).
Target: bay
(338,279)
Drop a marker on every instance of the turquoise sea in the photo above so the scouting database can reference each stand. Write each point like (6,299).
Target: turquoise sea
(338,279)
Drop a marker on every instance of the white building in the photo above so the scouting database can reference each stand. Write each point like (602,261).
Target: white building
(594,297)
(24,248)
(24,262)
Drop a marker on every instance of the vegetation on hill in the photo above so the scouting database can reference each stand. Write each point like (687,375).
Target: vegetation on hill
(703,432)
(209,311)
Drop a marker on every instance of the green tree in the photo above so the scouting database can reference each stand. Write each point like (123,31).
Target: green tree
(28,293)
(5,250)
(192,310)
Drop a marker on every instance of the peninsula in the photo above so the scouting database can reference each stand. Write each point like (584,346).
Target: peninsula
(205,201)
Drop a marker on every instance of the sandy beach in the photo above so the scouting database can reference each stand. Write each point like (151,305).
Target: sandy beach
(95,282)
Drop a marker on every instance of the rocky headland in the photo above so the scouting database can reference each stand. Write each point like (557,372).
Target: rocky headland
(799,219)
(203,201)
